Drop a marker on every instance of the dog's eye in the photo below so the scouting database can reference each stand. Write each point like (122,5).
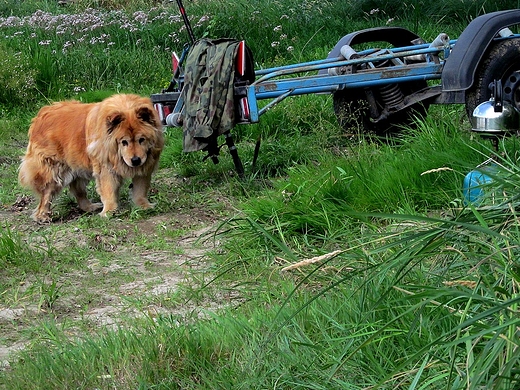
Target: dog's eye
(124,143)
(141,140)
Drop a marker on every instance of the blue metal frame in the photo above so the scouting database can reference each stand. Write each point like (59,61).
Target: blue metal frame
(270,85)
(454,65)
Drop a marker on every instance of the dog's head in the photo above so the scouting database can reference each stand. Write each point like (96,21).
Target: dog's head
(133,130)
(135,133)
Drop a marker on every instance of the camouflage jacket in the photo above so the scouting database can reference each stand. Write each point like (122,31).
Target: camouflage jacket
(209,109)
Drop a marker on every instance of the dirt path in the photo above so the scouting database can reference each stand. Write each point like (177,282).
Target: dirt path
(135,270)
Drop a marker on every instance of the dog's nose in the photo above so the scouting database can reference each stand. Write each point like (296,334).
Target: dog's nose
(136,161)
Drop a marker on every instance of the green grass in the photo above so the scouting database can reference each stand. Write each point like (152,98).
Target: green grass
(413,290)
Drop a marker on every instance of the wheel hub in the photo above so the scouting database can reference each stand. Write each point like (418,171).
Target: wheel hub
(511,91)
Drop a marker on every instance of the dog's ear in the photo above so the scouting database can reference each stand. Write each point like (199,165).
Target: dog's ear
(146,115)
(113,120)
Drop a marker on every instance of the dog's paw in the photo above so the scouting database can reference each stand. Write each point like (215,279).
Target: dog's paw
(42,215)
(144,204)
(106,213)
(42,219)
(148,206)
(90,207)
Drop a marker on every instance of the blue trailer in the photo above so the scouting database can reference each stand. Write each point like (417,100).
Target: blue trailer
(376,90)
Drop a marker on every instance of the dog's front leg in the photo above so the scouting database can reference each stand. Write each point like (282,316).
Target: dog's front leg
(107,186)
(78,188)
(140,187)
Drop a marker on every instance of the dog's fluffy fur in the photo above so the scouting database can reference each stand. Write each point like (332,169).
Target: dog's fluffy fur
(71,142)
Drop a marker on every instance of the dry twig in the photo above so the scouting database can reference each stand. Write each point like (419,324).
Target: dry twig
(312,260)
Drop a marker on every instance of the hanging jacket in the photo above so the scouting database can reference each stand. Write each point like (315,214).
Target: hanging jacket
(209,108)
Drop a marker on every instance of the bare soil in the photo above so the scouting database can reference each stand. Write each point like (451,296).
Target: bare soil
(132,270)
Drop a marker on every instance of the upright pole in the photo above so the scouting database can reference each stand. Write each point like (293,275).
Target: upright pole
(186,21)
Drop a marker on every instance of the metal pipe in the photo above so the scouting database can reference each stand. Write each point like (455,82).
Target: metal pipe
(340,61)
(186,21)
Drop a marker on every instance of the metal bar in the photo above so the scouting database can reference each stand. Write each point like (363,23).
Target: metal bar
(262,72)
(253,104)
(186,21)
(338,62)
(334,87)
(275,102)
(380,76)
(296,92)
(366,52)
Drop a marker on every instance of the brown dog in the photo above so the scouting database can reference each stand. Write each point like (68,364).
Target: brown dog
(71,142)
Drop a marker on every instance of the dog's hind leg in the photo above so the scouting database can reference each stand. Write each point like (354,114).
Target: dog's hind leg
(42,213)
(78,188)
(140,187)
(37,175)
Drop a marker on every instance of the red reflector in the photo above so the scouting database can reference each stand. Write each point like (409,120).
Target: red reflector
(163,111)
(244,109)
(241,58)
(175,62)
(159,108)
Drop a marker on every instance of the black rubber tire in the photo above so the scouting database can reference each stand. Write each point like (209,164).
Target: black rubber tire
(353,112)
(501,61)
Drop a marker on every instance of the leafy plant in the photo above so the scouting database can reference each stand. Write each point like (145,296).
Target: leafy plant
(49,293)
(17,77)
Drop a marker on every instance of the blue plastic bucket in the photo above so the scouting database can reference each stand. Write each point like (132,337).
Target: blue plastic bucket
(475,184)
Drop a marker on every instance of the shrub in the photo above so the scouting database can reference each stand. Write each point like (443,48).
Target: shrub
(17,78)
